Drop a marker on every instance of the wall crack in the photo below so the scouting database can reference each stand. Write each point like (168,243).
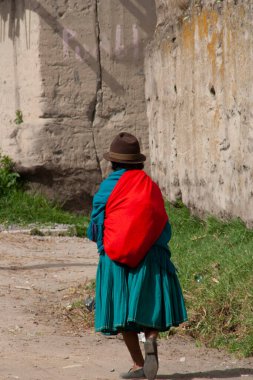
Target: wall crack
(98,97)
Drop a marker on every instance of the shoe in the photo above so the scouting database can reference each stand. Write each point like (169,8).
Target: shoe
(137,374)
(150,367)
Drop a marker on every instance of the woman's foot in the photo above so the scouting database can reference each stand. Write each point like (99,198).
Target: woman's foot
(133,373)
(150,367)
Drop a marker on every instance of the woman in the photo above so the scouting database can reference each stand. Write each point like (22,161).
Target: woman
(137,288)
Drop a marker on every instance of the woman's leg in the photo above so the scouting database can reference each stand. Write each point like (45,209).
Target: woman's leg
(132,342)
(151,356)
(149,333)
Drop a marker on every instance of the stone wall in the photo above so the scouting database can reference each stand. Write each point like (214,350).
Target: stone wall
(199,93)
(75,70)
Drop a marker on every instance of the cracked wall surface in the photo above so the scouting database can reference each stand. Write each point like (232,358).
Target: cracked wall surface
(199,93)
(75,70)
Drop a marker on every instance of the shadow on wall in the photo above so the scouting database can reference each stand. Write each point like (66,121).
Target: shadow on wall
(13,11)
(146,17)
(144,11)
(8,12)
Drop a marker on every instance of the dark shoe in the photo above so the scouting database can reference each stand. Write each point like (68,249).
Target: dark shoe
(150,367)
(137,374)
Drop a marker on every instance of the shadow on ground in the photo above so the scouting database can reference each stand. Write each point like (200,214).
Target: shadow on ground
(44,266)
(216,374)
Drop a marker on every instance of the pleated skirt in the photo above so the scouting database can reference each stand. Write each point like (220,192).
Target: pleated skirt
(129,299)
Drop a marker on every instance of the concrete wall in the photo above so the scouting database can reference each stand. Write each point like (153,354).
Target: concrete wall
(199,93)
(75,70)
(20,79)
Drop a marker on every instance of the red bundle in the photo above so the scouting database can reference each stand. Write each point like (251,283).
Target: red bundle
(134,218)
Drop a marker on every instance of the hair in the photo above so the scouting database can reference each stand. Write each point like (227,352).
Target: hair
(120,165)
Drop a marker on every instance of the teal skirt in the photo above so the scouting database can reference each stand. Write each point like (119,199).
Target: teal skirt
(146,296)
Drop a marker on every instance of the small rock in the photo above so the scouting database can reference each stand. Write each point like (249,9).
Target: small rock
(72,366)
(23,287)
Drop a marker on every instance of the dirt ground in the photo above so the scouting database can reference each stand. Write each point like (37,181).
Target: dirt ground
(38,341)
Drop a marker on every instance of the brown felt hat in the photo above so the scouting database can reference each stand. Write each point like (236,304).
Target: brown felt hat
(125,148)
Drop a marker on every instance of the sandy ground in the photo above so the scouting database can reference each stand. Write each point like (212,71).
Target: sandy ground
(38,343)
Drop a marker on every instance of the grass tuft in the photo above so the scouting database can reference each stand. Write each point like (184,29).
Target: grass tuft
(215,262)
(80,316)
(21,208)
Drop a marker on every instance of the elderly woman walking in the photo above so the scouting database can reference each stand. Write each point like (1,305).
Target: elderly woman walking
(137,289)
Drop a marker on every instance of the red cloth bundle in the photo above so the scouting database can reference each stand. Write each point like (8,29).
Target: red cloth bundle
(134,218)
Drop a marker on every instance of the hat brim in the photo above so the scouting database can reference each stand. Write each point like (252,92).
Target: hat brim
(141,158)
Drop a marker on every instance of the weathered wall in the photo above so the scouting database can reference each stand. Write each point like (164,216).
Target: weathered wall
(20,80)
(199,92)
(75,70)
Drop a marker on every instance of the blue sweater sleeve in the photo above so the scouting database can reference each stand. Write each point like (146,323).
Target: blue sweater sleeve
(96,226)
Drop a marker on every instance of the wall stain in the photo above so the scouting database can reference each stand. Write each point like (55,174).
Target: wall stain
(211,48)
(213,17)
(166,46)
(223,55)
(203,25)
(188,34)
